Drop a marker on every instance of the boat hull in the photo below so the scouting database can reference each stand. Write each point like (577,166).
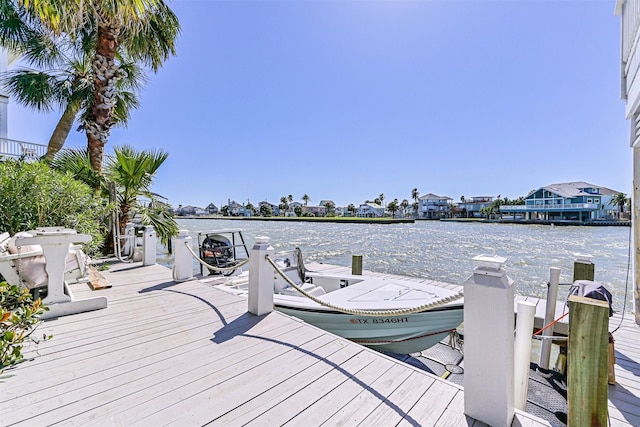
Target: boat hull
(397,334)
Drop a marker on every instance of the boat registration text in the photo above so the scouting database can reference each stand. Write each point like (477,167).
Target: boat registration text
(380,320)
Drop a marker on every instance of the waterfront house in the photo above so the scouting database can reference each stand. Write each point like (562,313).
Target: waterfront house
(470,208)
(186,210)
(211,209)
(314,210)
(275,210)
(370,210)
(431,206)
(571,201)
(325,202)
(236,209)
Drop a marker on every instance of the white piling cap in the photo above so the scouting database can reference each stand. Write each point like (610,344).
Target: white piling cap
(489,262)
(583,257)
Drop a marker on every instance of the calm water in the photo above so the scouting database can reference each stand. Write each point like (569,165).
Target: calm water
(443,250)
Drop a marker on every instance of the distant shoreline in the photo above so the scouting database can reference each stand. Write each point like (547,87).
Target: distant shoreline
(597,223)
(358,220)
(345,220)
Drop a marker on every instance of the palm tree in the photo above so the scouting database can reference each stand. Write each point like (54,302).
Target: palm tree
(414,195)
(381,197)
(290,198)
(352,208)
(306,199)
(404,205)
(619,199)
(144,29)
(66,81)
(284,205)
(393,207)
(133,173)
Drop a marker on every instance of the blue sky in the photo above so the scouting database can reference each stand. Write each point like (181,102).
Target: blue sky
(345,100)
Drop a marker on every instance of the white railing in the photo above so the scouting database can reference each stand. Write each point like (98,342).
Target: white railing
(539,208)
(27,150)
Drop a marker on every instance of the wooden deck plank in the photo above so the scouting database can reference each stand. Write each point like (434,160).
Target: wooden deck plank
(328,404)
(291,406)
(355,410)
(432,403)
(186,353)
(400,401)
(192,402)
(147,386)
(107,374)
(248,410)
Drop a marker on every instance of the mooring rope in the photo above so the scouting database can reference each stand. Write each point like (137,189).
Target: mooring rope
(211,267)
(365,313)
(551,324)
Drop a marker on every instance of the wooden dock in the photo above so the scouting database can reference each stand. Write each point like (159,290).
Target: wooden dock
(187,354)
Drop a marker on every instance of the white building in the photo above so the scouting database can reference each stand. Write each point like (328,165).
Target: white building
(629,11)
(370,210)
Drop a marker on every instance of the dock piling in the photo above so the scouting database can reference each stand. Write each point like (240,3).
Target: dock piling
(261,277)
(583,268)
(488,346)
(183,263)
(550,312)
(149,243)
(524,326)
(587,365)
(356,265)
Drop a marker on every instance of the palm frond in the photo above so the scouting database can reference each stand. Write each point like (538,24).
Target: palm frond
(33,89)
(76,162)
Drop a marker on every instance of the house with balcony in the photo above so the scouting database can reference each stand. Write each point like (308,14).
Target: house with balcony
(571,201)
(236,209)
(370,210)
(10,147)
(431,206)
(470,208)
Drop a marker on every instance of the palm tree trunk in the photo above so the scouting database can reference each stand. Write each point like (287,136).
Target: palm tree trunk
(105,71)
(61,132)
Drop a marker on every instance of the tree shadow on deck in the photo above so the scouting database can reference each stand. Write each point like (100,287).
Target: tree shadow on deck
(164,287)
(351,376)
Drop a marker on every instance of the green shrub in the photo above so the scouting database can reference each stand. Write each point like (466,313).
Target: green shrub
(33,195)
(19,317)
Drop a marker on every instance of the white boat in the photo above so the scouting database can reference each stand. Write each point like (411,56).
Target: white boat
(440,309)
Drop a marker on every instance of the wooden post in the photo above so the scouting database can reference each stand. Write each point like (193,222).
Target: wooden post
(356,265)
(587,376)
(583,268)
(612,360)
